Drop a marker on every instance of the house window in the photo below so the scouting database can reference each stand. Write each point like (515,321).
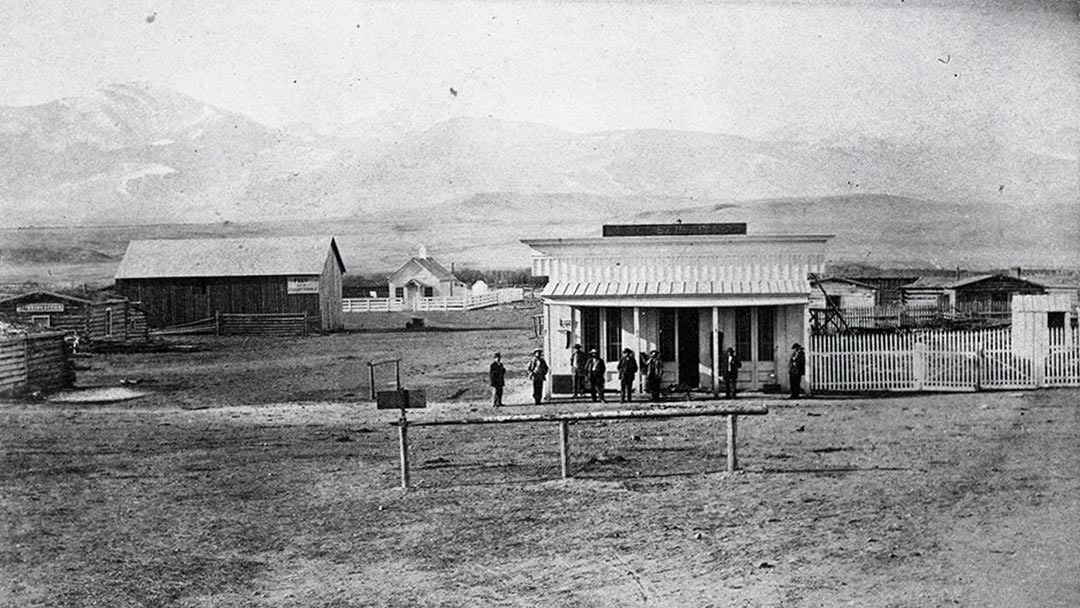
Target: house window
(667,334)
(613,334)
(108,322)
(429,292)
(399,292)
(590,329)
(766,336)
(41,320)
(742,333)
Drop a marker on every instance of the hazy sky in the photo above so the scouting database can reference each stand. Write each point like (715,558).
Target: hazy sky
(955,72)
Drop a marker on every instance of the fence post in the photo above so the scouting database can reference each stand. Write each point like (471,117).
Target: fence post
(732,461)
(217,323)
(564,447)
(403,444)
(980,354)
(918,364)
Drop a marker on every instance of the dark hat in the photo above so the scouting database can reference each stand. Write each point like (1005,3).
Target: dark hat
(577,346)
(592,351)
(796,345)
(627,350)
(538,350)
(498,354)
(654,352)
(730,349)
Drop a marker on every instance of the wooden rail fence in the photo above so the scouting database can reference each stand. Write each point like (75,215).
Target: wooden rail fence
(731,412)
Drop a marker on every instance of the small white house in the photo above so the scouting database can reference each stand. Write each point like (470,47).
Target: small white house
(423,277)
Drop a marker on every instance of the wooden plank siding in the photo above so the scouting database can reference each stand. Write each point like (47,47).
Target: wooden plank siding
(89,319)
(37,362)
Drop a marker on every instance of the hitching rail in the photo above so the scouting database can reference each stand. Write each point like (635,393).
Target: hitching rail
(732,412)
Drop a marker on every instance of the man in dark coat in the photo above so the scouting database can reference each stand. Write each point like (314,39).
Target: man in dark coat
(729,367)
(538,369)
(595,369)
(497,377)
(654,375)
(577,367)
(628,368)
(796,369)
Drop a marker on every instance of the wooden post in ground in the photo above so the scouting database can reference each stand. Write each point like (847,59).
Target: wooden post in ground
(564,447)
(371,378)
(403,444)
(732,462)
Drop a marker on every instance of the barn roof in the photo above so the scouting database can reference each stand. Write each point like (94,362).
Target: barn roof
(267,256)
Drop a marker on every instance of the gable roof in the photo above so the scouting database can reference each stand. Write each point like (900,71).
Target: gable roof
(167,258)
(39,293)
(436,269)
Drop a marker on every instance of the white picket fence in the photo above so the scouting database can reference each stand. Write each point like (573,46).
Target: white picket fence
(941,361)
(492,298)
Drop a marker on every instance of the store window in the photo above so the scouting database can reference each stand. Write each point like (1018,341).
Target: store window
(613,337)
(766,342)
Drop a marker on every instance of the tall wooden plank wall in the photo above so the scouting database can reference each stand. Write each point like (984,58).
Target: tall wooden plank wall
(38,362)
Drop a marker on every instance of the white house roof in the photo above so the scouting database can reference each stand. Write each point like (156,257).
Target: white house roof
(418,265)
(166,258)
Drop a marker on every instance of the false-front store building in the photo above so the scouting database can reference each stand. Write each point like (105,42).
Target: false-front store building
(689,291)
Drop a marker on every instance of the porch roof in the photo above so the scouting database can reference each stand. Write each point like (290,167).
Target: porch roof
(676,288)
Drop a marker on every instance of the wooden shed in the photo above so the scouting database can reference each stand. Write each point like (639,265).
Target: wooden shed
(96,317)
(840,292)
(181,281)
(990,293)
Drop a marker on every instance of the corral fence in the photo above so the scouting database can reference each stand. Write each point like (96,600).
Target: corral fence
(943,361)
(237,324)
(471,302)
(35,362)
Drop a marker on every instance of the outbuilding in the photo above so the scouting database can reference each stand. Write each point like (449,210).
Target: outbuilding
(424,277)
(689,291)
(983,294)
(94,316)
(181,281)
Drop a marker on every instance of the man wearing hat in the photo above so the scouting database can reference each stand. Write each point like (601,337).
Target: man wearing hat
(796,369)
(497,376)
(538,369)
(627,370)
(654,375)
(729,367)
(595,369)
(577,367)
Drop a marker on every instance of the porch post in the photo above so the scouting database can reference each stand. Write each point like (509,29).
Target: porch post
(638,346)
(548,354)
(716,352)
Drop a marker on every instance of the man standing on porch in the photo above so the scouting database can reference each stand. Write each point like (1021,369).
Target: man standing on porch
(627,370)
(796,369)
(654,375)
(730,368)
(538,369)
(596,369)
(577,368)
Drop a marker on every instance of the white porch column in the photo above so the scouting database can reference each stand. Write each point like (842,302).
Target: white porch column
(638,345)
(548,349)
(716,351)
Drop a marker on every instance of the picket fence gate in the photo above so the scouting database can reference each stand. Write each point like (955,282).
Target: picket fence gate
(942,361)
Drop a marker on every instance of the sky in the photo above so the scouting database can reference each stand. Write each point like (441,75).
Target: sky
(954,72)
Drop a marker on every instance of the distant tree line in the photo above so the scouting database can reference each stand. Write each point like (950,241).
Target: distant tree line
(500,277)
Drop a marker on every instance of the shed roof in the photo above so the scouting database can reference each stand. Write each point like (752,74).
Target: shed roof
(947,282)
(265,256)
(856,283)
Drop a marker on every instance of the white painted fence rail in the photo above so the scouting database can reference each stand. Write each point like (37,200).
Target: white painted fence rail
(943,361)
(492,298)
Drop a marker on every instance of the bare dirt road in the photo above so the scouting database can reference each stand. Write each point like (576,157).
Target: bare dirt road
(216,495)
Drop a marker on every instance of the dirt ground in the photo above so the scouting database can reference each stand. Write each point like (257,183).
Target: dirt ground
(258,475)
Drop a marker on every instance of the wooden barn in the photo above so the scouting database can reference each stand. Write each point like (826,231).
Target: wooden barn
(990,293)
(689,291)
(423,277)
(182,281)
(96,317)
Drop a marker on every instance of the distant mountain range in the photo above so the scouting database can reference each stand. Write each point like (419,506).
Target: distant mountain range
(141,154)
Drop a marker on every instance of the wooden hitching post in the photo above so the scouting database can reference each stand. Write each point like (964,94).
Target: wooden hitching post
(564,447)
(732,462)
(403,442)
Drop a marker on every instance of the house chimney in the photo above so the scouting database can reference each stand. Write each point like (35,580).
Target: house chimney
(422,253)
(1019,272)
(957,273)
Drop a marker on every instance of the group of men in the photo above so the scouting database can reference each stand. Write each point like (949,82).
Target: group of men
(590,373)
